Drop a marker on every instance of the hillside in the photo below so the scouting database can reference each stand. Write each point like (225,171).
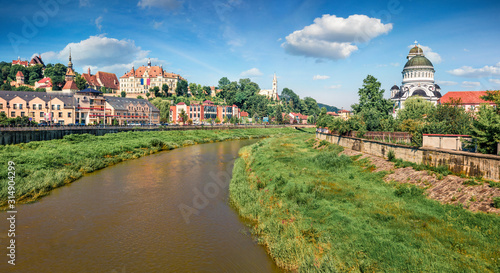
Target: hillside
(328,107)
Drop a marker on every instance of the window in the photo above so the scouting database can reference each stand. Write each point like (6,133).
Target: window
(69,114)
(12,114)
(15,106)
(60,114)
(34,107)
(39,107)
(52,107)
(32,114)
(22,114)
(1,105)
(20,106)
(41,114)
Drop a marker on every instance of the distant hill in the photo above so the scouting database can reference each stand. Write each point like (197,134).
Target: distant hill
(328,107)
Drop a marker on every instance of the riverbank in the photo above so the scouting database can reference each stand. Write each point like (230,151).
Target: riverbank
(41,166)
(316,210)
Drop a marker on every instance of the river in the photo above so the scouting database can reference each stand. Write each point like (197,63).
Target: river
(166,212)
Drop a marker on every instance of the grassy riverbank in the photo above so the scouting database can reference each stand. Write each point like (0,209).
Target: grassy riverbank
(317,211)
(41,166)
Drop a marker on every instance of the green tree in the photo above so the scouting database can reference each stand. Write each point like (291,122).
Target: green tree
(217,120)
(35,73)
(148,95)
(223,82)
(183,116)
(371,96)
(416,108)
(140,97)
(182,88)
(164,107)
(279,114)
(206,91)
(81,83)
(486,129)
(24,88)
(164,89)
(57,74)
(123,94)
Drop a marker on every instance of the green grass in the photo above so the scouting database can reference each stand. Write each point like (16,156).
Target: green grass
(441,170)
(317,211)
(41,166)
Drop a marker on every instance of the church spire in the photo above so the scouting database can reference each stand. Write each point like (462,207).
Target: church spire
(70,64)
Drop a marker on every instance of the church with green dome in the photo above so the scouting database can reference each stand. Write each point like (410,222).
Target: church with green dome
(418,80)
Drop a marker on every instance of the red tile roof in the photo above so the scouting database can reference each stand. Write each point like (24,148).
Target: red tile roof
(332,113)
(19,73)
(108,80)
(19,62)
(70,85)
(37,60)
(208,102)
(344,111)
(244,114)
(466,97)
(181,103)
(45,82)
(153,72)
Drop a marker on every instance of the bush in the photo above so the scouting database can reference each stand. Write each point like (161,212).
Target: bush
(154,142)
(391,155)
(332,160)
(408,191)
(496,202)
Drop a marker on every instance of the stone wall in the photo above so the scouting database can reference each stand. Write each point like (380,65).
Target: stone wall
(459,162)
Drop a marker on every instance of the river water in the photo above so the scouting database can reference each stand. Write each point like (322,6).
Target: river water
(166,212)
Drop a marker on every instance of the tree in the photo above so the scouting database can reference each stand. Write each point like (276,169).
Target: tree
(24,88)
(140,97)
(81,83)
(493,96)
(223,82)
(164,107)
(182,87)
(207,90)
(183,116)
(148,95)
(486,129)
(57,74)
(217,120)
(35,73)
(279,114)
(164,88)
(155,90)
(123,94)
(416,108)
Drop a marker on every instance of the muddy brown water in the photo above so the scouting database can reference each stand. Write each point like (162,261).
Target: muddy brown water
(166,212)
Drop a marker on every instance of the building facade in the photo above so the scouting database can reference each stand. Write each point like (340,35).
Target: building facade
(418,80)
(137,82)
(84,107)
(199,113)
(272,93)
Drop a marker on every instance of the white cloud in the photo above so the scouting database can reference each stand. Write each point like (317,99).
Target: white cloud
(468,71)
(466,50)
(447,83)
(254,72)
(434,57)
(279,39)
(320,77)
(333,37)
(84,3)
(471,84)
(165,4)
(98,23)
(103,53)
(157,25)
(334,86)
(495,81)
(395,64)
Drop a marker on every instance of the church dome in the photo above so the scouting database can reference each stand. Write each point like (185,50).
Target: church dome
(419,93)
(416,50)
(418,61)
(395,87)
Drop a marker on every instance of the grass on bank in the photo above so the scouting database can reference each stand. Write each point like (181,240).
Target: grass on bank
(316,211)
(41,166)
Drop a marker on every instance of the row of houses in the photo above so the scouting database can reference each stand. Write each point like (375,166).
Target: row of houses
(86,107)
(200,112)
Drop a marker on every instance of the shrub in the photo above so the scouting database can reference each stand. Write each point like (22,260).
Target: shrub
(154,142)
(391,155)
(332,161)
(408,191)
(496,202)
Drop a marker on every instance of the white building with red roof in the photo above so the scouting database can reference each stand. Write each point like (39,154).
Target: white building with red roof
(470,100)
(271,93)
(44,83)
(138,81)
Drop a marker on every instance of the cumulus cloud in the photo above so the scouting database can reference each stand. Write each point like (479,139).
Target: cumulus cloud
(434,57)
(254,72)
(334,86)
(106,54)
(471,84)
(98,23)
(447,83)
(332,37)
(165,4)
(320,77)
(468,71)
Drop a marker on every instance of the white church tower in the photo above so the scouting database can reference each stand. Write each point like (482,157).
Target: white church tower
(273,93)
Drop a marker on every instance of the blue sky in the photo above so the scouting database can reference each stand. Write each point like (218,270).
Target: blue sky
(322,49)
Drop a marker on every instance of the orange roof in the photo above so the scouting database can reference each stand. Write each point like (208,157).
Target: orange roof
(19,62)
(19,73)
(70,71)
(70,85)
(46,81)
(153,72)
(244,114)
(344,111)
(332,113)
(466,97)
(181,103)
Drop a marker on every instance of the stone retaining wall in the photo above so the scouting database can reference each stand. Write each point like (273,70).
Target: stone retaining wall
(459,162)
